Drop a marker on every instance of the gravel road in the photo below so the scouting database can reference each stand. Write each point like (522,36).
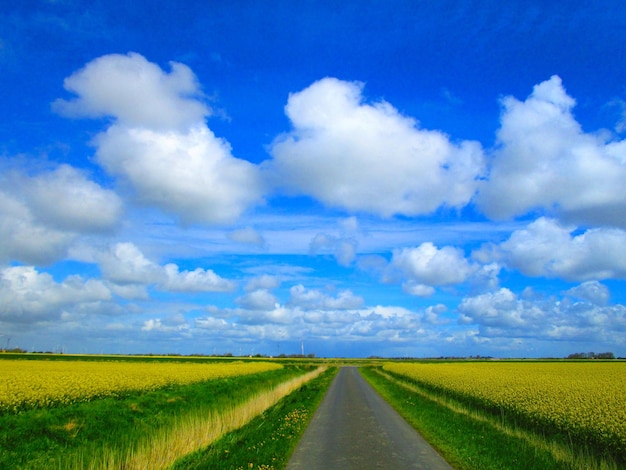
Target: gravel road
(354,428)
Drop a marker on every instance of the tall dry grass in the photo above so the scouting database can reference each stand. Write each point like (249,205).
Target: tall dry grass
(189,433)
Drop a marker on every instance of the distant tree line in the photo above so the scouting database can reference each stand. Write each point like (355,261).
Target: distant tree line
(591,355)
(13,350)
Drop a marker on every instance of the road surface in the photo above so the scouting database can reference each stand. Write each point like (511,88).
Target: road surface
(354,428)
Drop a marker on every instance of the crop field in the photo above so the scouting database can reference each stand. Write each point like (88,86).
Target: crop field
(585,401)
(131,412)
(28,384)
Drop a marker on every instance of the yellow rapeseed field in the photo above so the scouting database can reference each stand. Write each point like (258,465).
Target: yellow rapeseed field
(27,384)
(585,399)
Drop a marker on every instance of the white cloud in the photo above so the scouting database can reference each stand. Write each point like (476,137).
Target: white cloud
(433,314)
(349,224)
(42,214)
(259,299)
(321,241)
(343,249)
(546,248)
(136,92)
(312,299)
(486,277)
(211,323)
(277,314)
(65,199)
(174,324)
(27,295)
(545,160)
(159,142)
(379,323)
(504,314)
(500,309)
(342,246)
(415,288)
(247,236)
(130,291)
(126,264)
(364,157)
(189,174)
(264,281)
(427,266)
(345,252)
(198,280)
(24,238)
(129,270)
(591,291)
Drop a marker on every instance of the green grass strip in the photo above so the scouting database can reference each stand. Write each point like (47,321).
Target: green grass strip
(43,438)
(267,442)
(466,443)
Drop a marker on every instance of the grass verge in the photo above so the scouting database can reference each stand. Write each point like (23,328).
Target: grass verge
(267,442)
(466,442)
(51,438)
(198,429)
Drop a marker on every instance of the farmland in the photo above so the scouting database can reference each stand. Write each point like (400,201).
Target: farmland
(580,404)
(40,383)
(130,412)
(75,412)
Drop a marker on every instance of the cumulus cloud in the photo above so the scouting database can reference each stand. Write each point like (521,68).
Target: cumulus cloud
(433,314)
(42,214)
(427,266)
(276,315)
(24,238)
(159,143)
(211,323)
(173,324)
(545,160)
(191,175)
(27,295)
(504,314)
(67,200)
(547,248)
(124,264)
(368,157)
(590,291)
(259,299)
(415,288)
(198,280)
(264,281)
(315,299)
(500,309)
(136,92)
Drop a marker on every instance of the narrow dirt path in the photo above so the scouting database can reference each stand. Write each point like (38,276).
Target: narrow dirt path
(354,428)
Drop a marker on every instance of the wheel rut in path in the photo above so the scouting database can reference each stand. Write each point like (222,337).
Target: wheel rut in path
(355,428)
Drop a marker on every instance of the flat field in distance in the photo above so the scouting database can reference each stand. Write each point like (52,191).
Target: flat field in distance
(582,403)
(40,383)
(76,412)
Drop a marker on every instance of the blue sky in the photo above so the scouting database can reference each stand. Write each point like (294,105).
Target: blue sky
(359,178)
